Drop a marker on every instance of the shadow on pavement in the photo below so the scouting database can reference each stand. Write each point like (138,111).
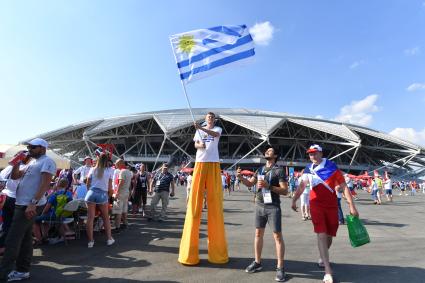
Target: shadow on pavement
(342,272)
(374,222)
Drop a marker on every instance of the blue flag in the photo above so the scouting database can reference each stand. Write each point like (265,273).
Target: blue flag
(203,52)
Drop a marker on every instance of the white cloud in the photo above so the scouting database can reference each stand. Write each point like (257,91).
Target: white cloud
(319,117)
(262,33)
(410,134)
(412,51)
(357,64)
(359,112)
(416,86)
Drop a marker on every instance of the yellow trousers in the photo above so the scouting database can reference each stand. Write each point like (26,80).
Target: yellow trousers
(206,178)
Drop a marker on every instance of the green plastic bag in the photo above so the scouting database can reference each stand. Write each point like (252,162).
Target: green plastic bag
(357,232)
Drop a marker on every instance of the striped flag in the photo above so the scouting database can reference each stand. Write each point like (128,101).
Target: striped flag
(203,52)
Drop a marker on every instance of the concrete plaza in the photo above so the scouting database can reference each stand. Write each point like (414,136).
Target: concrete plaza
(148,251)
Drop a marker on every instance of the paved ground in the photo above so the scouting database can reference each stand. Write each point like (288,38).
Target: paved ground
(147,252)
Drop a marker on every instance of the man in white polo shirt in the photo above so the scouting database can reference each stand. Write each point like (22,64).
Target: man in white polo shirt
(30,192)
(206,178)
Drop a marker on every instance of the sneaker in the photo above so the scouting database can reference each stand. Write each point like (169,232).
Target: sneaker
(17,276)
(280,274)
(115,231)
(90,244)
(110,242)
(254,267)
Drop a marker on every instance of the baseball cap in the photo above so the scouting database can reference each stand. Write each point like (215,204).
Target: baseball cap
(314,148)
(87,157)
(38,142)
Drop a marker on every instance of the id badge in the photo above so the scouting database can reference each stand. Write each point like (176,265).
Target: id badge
(158,182)
(267,196)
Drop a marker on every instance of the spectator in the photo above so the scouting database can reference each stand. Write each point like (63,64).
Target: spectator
(99,182)
(140,189)
(30,191)
(271,183)
(120,205)
(161,184)
(323,176)
(9,204)
(82,172)
(189,184)
(53,211)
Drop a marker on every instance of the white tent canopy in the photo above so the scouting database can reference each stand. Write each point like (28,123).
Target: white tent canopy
(8,151)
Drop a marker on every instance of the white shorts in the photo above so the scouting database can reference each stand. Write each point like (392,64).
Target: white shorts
(305,199)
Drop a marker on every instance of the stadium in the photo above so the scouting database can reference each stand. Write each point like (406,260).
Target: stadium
(166,136)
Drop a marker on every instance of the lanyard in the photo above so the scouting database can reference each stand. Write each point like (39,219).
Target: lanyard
(270,173)
(161,177)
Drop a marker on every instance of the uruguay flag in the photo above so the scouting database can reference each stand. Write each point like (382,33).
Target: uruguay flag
(203,52)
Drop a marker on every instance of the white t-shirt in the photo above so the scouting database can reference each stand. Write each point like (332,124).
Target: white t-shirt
(223,181)
(11,185)
(30,182)
(189,181)
(83,171)
(388,185)
(210,152)
(307,189)
(115,175)
(374,186)
(348,181)
(125,175)
(100,183)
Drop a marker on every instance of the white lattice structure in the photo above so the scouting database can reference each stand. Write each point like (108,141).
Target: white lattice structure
(153,137)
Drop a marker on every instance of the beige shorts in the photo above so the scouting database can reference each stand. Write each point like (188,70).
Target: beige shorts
(120,205)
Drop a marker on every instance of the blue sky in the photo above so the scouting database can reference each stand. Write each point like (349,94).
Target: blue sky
(63,62)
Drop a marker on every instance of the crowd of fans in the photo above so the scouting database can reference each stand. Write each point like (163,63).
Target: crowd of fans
(103,191)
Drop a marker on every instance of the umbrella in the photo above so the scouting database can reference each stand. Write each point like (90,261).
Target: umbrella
(247,173)
(187,170)
(7,151)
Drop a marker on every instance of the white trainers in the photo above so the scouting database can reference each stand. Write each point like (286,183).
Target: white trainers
(90,244)
(17,276)
(110,242)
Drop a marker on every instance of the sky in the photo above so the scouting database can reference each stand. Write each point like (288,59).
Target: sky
(64,62)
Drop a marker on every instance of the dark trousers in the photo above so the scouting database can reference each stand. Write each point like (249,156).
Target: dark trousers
(7,213)
(340,213)
(18,244)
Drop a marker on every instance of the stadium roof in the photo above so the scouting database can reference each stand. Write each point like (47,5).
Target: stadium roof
(259,125)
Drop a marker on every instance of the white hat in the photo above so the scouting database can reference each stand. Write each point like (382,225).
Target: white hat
(314,148)
(38,142)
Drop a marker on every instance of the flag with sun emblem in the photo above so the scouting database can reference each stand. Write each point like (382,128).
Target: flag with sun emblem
(203,52)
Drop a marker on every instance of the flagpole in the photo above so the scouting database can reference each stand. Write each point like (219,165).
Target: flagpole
(184,90)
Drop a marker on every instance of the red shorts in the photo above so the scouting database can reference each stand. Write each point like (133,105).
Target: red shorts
(325,219)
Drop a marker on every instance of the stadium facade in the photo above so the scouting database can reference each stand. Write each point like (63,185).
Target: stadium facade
(158,136)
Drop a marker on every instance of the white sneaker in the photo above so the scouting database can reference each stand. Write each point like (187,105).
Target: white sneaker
(90,244)
(110,242)
(17,276)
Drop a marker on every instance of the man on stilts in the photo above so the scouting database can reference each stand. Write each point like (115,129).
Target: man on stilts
(206,179)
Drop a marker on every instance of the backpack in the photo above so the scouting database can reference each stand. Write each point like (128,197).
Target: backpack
(61,201)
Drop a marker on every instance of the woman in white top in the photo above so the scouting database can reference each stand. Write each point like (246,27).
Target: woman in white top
(305,203)
(99,183)
(189,184)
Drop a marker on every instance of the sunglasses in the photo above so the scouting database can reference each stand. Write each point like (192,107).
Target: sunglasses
(32,146)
